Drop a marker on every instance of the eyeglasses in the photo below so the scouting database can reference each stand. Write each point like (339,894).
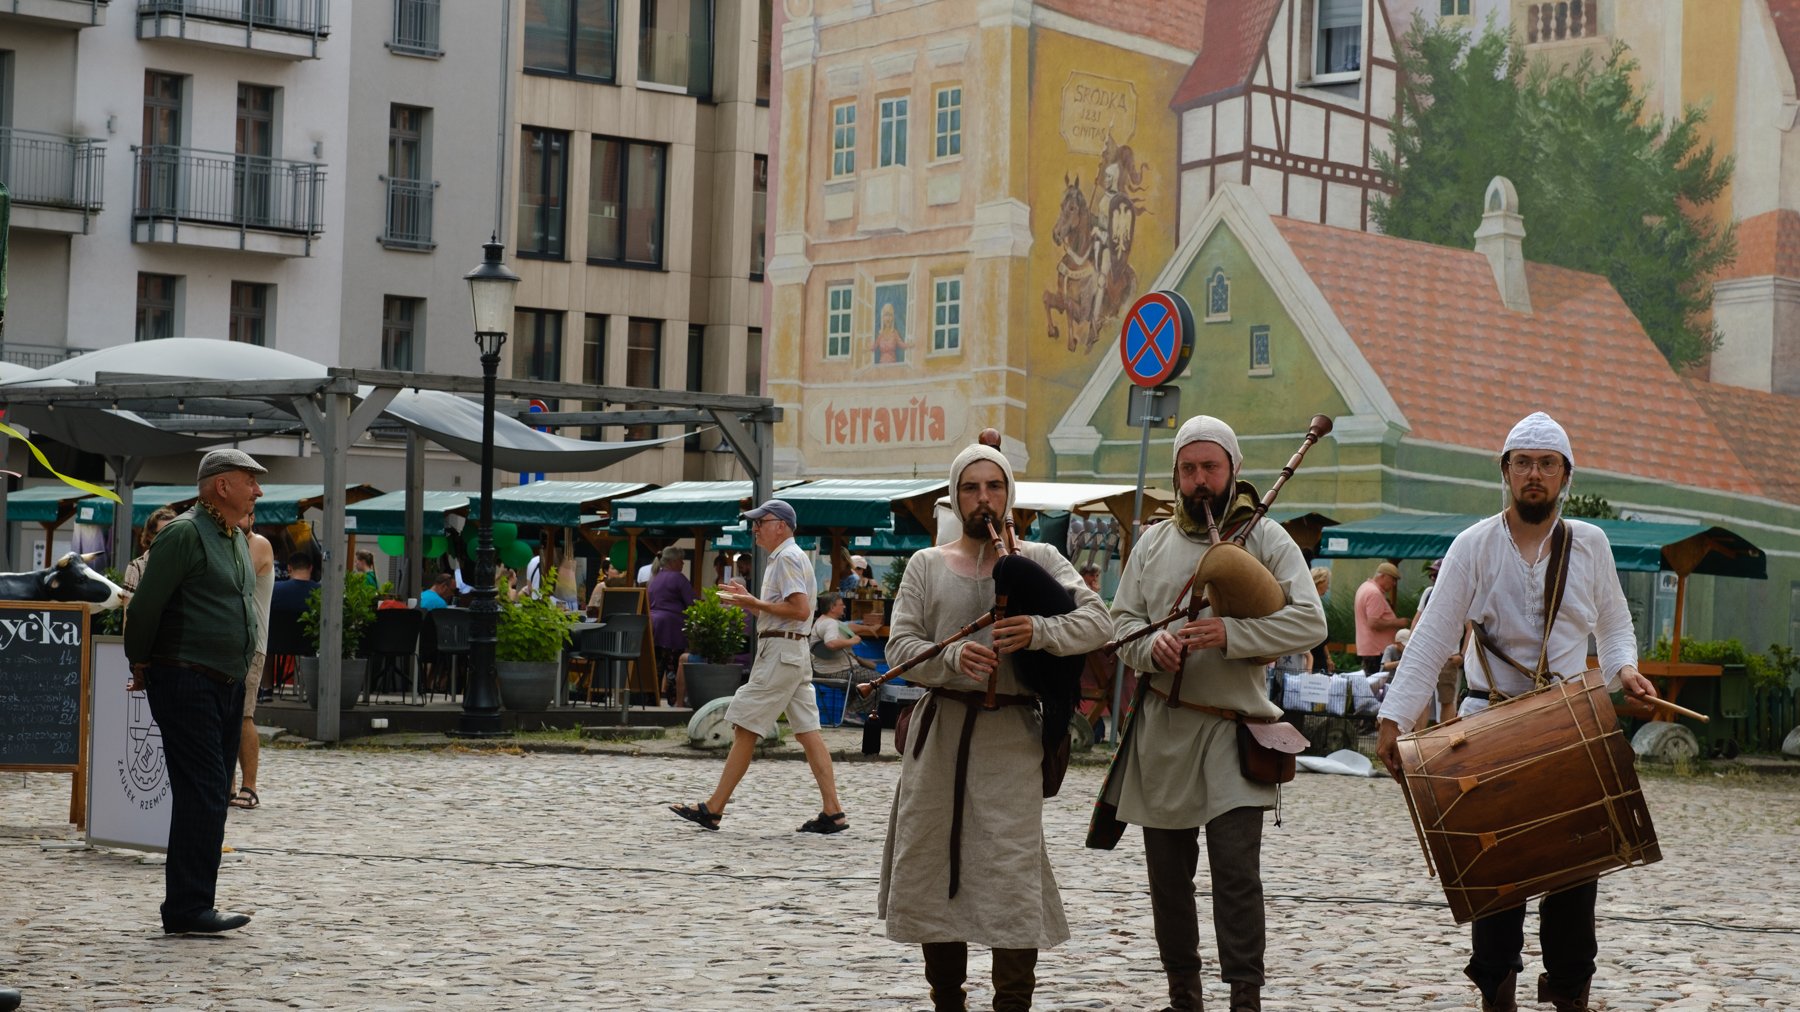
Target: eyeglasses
(1549,467)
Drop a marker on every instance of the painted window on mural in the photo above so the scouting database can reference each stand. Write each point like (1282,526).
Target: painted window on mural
(890,329)
(946,314)
(843,139)
(1260,364)
(947,129)
(892,120)
(838,302)
(1453,8)
(1218,296)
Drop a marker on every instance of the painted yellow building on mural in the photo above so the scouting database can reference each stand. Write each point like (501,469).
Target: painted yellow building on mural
(968,197)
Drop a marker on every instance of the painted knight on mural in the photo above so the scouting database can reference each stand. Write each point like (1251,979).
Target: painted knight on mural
(1094,232)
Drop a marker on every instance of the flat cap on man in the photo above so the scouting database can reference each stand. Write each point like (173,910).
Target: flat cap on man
(1388,569)
(221,461)
(772,508)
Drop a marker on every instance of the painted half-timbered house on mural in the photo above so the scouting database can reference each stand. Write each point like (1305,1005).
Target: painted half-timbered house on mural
(1290,98)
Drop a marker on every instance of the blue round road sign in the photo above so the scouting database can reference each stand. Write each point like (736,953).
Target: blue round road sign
(1157,339)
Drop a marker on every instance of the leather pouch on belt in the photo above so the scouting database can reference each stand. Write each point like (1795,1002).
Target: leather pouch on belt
(1266,751)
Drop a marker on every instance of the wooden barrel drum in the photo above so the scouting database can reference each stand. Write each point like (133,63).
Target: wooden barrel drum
(1527,797)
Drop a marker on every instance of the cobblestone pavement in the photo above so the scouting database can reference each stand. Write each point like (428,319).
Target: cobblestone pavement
(459,880)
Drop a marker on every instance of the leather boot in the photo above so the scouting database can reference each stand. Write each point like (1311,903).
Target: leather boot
(1246,997)
(1560,1001)
(946,967)
(1505,999)
(1015,978)
(1185,993)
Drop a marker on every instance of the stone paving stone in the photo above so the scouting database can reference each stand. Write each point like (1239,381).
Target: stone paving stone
(494,880)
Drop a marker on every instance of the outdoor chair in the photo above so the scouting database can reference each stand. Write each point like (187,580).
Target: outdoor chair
(621,641)
(285,643)
(584,649)
(447,632)
(393,645)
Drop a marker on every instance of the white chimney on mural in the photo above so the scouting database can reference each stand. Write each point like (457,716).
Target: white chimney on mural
(1501,238)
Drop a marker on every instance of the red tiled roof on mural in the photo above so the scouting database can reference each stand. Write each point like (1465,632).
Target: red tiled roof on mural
(1463,368)
(1786,15)
(1762,432)
(1236,31)
(1768,243)
(1175,22)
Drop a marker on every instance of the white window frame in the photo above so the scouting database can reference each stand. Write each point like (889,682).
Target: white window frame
(843,139)
(1317,41)
(946,334)
(838,326)
(1266,366)
(940,131)
(892,130)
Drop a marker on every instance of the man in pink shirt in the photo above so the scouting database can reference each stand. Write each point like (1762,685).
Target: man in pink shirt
(1376,622)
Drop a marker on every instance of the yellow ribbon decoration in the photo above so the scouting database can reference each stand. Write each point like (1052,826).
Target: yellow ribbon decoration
(85,486)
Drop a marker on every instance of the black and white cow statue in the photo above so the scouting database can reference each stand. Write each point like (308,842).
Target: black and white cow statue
(69,580)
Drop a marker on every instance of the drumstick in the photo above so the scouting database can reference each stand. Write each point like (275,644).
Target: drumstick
(1665,704)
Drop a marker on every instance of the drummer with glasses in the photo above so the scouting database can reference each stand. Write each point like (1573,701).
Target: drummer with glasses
(1493,587)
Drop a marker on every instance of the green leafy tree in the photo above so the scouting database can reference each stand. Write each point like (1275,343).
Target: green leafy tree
(1591,506)
(1603,187)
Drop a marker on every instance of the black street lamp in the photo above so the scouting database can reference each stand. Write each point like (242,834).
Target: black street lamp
(492,288)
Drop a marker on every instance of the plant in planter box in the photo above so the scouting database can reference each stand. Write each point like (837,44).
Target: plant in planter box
(358,616)
(890,580)
(715,634)
(529,636)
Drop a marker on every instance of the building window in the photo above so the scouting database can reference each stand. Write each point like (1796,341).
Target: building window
(947,127)
(765,65)
(159,181)
(675,45)
(537,346)
(1337,39)
(1260,363)
(543,192)
(696,376)
(593,364)
(759,213)
(843,139)
(250,312)
(643,366)
(946,315)
(416,27)
(571,38)
(1218,296)
(838,301)
(253,175)
(409,195)
(625,202)
(892,126)
(753,363)
(1453,8)
(400,333)
(156,306)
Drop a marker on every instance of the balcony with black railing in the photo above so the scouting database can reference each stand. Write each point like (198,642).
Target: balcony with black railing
(36,356)
(287,29)
(408,223)
(55,180)
(226,201)
(76,14)
(416,28)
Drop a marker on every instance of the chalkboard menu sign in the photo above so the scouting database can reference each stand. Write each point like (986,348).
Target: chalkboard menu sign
(43,684)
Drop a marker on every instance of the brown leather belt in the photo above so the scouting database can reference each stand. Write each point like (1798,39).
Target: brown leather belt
(975,701)
(780,634)
(1214,710)
(210,674)
(976,697)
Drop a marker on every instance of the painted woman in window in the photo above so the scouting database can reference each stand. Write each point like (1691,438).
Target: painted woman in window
(890,344)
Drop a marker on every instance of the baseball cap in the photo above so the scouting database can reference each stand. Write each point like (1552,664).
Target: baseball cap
(221,461)
(858,562)
(1434,565)
(772,508)
(1388,569)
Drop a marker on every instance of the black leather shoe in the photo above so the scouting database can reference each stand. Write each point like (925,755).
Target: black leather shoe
(210,923)
(10,999)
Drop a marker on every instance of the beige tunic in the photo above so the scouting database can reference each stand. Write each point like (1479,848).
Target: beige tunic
(1007,897)
(1177,767)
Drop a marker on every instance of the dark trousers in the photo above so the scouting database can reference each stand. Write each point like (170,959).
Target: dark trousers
(1371,663)
(200,720)
(1565,932)
(1234,858)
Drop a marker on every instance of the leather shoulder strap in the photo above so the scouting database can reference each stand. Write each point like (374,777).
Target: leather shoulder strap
(1556,579)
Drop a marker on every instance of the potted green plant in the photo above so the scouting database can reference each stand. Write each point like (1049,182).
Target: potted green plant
(359,615)
(715,634)
(529,637)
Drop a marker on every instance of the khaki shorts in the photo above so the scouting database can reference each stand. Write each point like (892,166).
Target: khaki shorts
(1448,677)
(252,683)
(780,680)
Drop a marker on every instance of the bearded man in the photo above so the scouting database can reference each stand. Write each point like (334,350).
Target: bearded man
(1177,768)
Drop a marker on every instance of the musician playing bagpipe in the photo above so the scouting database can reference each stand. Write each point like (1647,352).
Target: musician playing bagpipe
(965,859)
(1178,765)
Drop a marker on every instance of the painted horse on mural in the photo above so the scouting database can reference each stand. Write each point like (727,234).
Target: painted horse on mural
(1094,232)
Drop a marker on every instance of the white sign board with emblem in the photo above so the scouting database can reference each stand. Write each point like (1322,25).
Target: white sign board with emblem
(128,783)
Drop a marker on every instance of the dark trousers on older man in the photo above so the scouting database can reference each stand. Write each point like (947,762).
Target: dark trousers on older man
(200,720)
(1234,859)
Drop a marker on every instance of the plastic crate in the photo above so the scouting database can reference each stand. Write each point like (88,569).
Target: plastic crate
(831,703)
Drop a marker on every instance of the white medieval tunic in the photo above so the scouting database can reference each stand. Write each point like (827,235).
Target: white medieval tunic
(1178,768)
(1484,579)
(1007,896)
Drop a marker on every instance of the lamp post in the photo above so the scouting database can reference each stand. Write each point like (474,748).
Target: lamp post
(492,289)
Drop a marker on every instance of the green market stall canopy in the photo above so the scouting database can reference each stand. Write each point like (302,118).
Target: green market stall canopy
(559,503)
(1683,549)
(386,514)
